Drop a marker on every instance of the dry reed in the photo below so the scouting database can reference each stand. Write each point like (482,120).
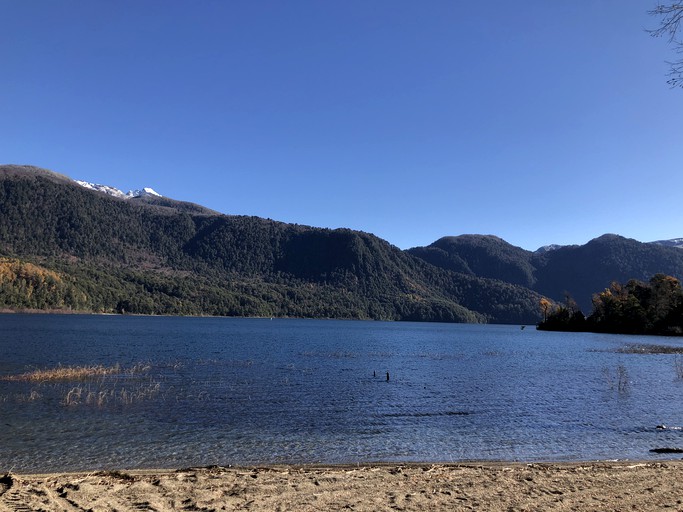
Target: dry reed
(64,373)
(101,397)
(94,385)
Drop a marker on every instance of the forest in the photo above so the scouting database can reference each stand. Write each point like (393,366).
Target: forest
(637,307)
(72,249)
(67,248)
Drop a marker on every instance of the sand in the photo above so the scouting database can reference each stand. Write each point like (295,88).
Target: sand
(489,486)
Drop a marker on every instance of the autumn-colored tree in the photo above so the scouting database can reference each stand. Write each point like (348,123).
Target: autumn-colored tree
(635,308)
(563,317)
(26,285)
(545,307)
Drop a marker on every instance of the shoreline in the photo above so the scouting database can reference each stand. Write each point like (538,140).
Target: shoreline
(346,466)
(495,485)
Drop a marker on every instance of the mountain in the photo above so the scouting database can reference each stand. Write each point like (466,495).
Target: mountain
(91,250)
(65,245)
(577,270)
(115,192)
(480,255)
(105,189)
(590,268)
(149,196)
(547,248)
(674,242)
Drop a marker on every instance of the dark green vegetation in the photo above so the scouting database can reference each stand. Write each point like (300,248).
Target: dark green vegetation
(64,247)
(68,248)
(635,308)
(577,270)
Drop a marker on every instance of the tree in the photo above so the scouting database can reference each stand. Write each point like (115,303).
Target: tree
(545,307)
(563,317)
(635,308)
(671,17)
(665,302)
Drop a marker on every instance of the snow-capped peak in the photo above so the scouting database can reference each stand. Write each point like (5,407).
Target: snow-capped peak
(112,191)
(674,242)
(102,188)
(142,193)
(548,248)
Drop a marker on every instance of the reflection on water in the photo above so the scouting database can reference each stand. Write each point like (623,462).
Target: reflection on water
(248,391)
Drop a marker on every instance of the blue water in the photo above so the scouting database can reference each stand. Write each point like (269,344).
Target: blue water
(256,391)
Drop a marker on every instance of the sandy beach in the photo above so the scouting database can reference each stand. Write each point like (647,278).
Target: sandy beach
(488,486)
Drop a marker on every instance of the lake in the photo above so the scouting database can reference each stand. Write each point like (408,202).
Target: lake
(205,391)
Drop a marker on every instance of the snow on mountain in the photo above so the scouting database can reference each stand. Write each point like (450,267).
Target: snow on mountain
(143,193)
(548,248)
(112,191)
(102,188)
(674,242)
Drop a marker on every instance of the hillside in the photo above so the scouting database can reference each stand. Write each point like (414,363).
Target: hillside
(160,256)
(482,256)
(577,270)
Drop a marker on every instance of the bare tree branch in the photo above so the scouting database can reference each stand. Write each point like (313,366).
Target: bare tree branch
(671,15)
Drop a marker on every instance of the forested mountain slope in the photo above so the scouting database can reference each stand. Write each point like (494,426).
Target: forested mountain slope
(577,270)
(586,269)
(160,256)
(480,255)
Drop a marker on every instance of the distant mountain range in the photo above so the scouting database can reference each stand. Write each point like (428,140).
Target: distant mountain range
(576,270)
(674,242)
(115,192)
(75,245)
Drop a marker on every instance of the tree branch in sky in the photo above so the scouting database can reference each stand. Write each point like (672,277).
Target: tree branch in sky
(671,17)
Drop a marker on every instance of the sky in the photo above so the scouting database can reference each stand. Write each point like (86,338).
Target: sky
(541,122)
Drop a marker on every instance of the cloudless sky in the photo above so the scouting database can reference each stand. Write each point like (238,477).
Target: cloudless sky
(538,121)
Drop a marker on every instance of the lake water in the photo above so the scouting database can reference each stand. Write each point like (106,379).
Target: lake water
(204,391)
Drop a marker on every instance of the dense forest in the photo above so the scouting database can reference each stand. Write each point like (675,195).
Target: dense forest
(65,247)
(577,270)
(655,307)
(69,248)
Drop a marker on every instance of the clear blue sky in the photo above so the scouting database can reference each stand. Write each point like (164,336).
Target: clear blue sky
(538,121)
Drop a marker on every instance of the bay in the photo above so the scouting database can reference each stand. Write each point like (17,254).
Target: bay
(204,391)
